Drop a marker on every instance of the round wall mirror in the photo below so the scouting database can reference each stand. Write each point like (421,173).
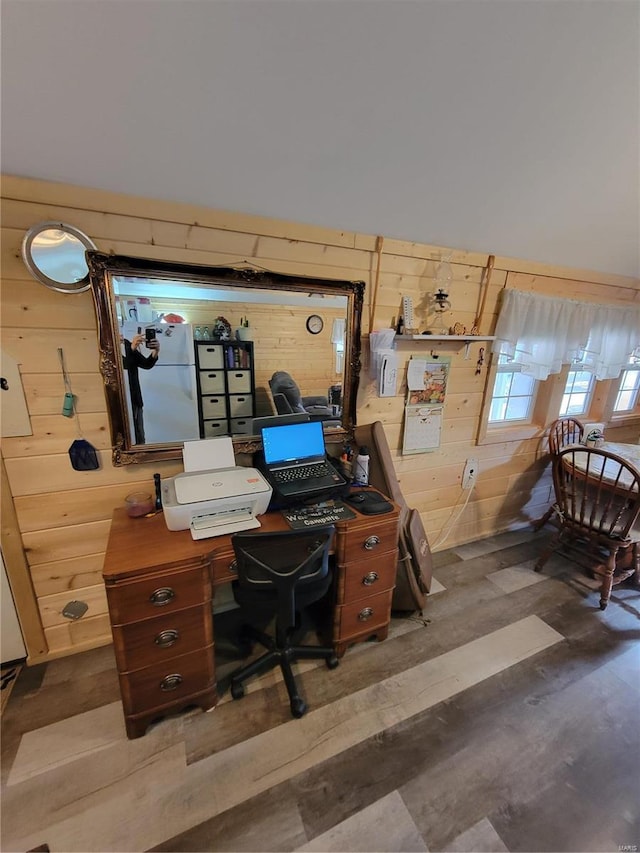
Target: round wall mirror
(54,255)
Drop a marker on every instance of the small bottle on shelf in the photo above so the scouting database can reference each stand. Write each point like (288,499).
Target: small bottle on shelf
(197,333)
(205,334)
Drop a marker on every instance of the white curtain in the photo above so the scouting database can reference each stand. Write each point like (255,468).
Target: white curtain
(541,333)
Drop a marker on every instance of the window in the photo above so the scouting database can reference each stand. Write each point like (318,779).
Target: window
(629,388)
(577,392)
(513,394)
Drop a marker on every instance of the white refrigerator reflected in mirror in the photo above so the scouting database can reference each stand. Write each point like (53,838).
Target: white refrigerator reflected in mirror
(169,388)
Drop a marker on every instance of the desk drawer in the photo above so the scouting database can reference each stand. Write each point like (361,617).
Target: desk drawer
(367,577)
(362,617)
(167,682)
(158,594)
(155,640)
(369,540)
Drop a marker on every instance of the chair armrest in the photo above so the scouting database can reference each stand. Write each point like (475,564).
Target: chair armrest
(315,401)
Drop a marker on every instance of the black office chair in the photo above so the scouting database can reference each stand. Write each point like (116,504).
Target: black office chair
(281,573)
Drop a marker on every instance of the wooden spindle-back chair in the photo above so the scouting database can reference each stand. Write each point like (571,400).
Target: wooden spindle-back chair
(562,433)
(597,503)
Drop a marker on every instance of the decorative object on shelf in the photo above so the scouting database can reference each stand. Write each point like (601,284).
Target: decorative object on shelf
(221,329)
(459,329)
(440,299)
(315,324)
(442,305)
(242,332)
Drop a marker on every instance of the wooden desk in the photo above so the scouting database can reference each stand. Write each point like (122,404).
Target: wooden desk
(161,588)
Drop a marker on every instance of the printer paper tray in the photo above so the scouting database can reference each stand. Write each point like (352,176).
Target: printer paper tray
(204,532)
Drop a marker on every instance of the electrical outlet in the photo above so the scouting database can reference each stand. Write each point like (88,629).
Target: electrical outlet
(470,473)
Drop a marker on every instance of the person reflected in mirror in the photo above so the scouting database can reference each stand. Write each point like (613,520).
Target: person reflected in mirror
(133,360)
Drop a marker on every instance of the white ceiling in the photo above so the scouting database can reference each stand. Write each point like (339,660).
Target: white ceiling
(504,126)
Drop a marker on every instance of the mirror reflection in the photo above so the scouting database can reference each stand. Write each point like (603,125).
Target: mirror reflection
(54,253)
(191,352)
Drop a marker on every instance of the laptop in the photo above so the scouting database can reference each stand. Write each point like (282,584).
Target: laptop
(295,460)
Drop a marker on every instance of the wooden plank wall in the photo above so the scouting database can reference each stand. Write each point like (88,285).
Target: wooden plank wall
(63,515)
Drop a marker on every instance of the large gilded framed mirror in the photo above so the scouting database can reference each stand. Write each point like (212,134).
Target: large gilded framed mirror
(190,352)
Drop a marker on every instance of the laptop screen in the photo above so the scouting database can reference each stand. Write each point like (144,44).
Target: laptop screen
(292,442)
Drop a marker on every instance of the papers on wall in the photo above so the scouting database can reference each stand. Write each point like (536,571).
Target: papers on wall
(426,390)
(427,380)
(381,343)
(422,428)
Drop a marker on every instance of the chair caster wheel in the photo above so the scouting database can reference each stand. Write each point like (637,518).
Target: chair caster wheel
(298,707)
(237,691)
(604,606)
(332,662)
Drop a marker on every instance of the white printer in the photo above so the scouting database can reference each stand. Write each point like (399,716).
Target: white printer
(213,500)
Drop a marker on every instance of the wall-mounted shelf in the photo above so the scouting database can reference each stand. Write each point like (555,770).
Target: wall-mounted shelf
(467,340)
(461,338)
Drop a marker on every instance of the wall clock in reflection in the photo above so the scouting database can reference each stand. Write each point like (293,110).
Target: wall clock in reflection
(315,324)
(54,254)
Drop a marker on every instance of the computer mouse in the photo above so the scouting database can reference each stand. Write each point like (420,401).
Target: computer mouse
(358,498)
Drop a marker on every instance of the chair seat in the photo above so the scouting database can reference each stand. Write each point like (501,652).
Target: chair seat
(267,599)
(598,503)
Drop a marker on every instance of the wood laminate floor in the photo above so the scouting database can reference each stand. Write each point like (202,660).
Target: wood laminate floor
(506,720)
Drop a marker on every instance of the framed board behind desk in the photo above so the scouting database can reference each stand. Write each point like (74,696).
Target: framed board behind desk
(160,589)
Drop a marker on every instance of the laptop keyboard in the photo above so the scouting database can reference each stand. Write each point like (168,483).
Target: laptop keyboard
(302,472)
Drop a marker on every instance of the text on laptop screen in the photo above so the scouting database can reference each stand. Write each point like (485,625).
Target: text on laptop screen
(293,441)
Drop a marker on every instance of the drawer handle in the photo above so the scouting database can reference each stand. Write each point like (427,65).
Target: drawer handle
(170,682)
(365,614)
(371,542)
(167,638)
(233,567)
(162,596)
(370,578)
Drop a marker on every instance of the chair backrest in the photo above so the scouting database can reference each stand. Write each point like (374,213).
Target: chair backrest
(563,432)
(596,491)
(283,560)
(282,405)
(283,383)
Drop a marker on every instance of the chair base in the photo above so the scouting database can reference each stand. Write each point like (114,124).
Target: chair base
(607,567)
(282,655)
